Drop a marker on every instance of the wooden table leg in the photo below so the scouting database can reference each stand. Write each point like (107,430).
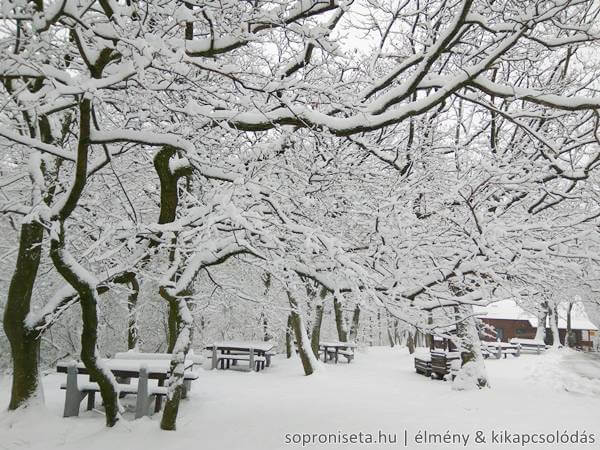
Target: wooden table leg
(336,355)
(214,357)
(158,403)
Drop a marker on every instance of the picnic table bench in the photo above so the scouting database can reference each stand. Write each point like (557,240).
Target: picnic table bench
(334,349)
(188,377)
(228,353)
(76,388)
(530,345)
(444,363)
(423,363)
(499,349)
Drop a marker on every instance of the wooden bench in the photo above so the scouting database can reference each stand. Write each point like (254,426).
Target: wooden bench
(196,359)
(226,360)
(188,376)
(348,354)
(441,363)
(529,345)
(499,349)
(423,365)
(77,390)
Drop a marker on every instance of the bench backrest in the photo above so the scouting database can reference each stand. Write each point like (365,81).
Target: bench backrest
(196,359)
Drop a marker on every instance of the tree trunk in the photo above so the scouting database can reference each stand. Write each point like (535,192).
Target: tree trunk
(316,330)
(169,201)
(79,278)
(472,373)
(180,351)
(554,327)
(429,336)
(24,343)
(410,343)
(84,283)
(339,320)
(391,336)
(132,326)
(265,325)
(130,279)
(570,338)
(355,323)
(173,324)
(540,333)
(288,337)
(309,362)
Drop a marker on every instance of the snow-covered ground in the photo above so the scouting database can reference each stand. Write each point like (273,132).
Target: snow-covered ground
(379,391)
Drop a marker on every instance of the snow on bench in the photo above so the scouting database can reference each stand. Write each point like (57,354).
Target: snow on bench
(77,389)
(498,349)
(443,363)
(228,353)
(423,363)
(134,355)
(188,376)
(232,359)
(530,345)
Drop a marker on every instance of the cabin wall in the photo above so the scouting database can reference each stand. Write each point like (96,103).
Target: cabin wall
(509,329)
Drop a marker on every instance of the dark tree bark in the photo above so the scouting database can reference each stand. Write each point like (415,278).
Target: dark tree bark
(410,343)
(288,337)
(130,279)
(24,342)
(88,301)
(339,320)
(355,323)
(176,388)
(302,341)
(173,324)
(132,326)
(83,282)
(169,201)
(316,331)
(570,338)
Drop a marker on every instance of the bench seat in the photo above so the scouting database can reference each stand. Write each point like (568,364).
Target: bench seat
(499,349)
(258,362)
(77,389)
(423,366)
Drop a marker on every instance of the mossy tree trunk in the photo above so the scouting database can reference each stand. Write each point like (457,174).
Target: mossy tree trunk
(339,320)
(180,350)
(132,325)
(309,362)
(173,324)
(169,201)
(79,278)
(24,343)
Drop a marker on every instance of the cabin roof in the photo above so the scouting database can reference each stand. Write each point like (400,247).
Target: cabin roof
(509,310)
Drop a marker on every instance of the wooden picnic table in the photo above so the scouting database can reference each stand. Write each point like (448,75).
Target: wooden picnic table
(335,347)
(123,369)
(255,352)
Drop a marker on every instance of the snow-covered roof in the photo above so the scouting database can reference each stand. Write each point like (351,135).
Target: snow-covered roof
(577,323)
(504,310)
(509,310)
